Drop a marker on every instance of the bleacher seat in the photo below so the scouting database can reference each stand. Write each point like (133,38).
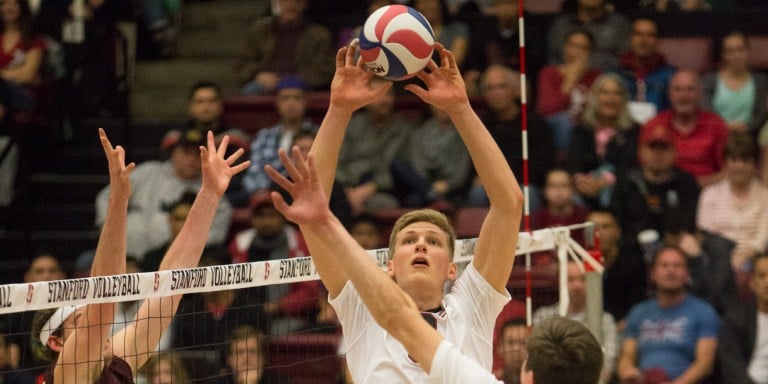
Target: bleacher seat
(467,221)
(306,358)
(688,52)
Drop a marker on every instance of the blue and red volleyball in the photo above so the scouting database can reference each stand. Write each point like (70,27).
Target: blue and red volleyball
(396,42)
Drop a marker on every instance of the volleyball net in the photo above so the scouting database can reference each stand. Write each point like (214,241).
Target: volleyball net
(200,336)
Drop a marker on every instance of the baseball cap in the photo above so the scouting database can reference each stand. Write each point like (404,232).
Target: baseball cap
(291,82)
(657,134)
(189,137)
(55,321)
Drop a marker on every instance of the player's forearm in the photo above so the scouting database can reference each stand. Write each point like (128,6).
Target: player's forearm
(187,247)
(379,292)
(109,258)
(327,144)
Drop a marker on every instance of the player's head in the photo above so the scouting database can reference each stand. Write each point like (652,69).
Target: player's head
(561,348)
(421,248)
(165,368)
(52,327)
(246,350)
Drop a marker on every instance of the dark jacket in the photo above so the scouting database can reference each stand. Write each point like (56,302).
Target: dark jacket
(736,343)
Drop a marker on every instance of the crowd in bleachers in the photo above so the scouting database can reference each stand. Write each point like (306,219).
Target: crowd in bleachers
(667,156)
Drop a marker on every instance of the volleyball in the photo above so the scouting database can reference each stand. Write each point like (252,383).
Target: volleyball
(396,42)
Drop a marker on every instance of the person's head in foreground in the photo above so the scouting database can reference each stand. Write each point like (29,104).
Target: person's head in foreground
(420,251)
(562,350)
(245,354)
(165,368)
(52,327)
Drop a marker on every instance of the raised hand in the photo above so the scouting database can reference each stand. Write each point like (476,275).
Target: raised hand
(119,173)
(217,170)
(309,202)
(351,85)
(445,86)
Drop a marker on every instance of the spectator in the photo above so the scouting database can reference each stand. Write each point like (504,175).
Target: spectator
(610,31)
(291,103)
(494,41)
(165,368)
(646,196)
(285,45)
(43,267)
(375,137)
(21,57)
(8,373)
(437,166)
(577,310)
(162,20)
(453,34)
(177,215)
(741,345)
(563,88)
(736,207)
(511,348)
(205,113)
(217,313)
(700,135)
(245,356)
(272,238)
(501,91)
(624,278)
(762,140)
(157,184)
(560,206)
(645,70)
(734,92)
(605,143)
(674,335)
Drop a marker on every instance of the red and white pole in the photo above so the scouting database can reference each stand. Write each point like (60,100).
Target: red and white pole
(524,129)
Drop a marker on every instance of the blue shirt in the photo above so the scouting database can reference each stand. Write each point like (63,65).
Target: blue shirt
(667,337)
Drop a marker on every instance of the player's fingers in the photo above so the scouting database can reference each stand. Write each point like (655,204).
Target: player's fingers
(416,90)
(299,161)
(351,52)
(233,157)
(279,203)
(340,56)
(289,165)
(279,179)
(241,167)
(222,150)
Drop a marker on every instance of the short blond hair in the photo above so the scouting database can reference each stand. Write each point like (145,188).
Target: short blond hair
(422,216)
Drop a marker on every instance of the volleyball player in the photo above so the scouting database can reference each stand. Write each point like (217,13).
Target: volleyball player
(76,337)
(466,315)
(557,347)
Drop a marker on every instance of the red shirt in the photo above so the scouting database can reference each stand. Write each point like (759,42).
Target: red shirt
(550,100)
(699,152)
(17,55)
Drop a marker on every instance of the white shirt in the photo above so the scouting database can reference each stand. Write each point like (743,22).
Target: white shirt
(449,366)
(374,356)
(758,367)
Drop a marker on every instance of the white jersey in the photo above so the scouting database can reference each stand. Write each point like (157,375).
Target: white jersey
(449,366)
(467,319)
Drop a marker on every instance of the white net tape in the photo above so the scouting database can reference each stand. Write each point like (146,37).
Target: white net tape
(129,287)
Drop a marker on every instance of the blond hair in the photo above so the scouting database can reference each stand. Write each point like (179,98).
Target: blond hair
(422,216)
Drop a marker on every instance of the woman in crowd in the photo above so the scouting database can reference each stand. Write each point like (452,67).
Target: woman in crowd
(605,142)
(734,92)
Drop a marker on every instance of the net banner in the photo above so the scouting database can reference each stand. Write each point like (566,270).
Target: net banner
(137,286)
